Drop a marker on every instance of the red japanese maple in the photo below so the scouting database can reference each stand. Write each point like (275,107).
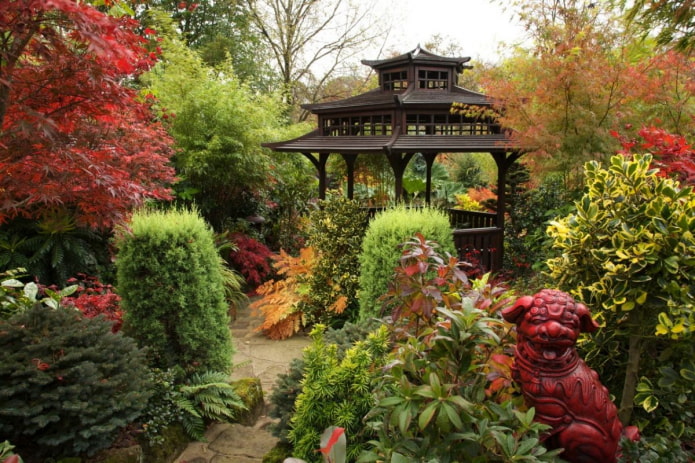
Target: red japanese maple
(672,153)
(72,133)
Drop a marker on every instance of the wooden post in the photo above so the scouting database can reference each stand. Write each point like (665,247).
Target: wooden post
(429,160)
(398,164)
(350,160)
(320,165)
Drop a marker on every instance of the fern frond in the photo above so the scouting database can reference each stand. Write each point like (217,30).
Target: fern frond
(187,406)
(194,427)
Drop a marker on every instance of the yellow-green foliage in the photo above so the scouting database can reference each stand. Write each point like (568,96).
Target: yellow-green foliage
(170,279)
(466,203)
(630,246)
(381,249)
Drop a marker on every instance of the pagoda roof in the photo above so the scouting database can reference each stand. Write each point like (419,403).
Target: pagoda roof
(420,56)
(379,99)
(313,142)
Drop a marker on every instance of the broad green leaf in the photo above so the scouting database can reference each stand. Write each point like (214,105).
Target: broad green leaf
(427,415)
(12,283)
(650,404)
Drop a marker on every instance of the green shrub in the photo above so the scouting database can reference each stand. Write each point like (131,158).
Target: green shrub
(54,248)
(336,392)
(336,234)
(629,253)
(288,385)
(381,251)
(69,385)
(172,289)
(447,396)
(526,245)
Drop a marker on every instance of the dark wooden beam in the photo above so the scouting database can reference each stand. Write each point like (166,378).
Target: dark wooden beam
(320,164)
(350,160)
(429,160)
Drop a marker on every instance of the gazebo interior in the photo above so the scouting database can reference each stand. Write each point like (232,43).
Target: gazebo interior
(411,112)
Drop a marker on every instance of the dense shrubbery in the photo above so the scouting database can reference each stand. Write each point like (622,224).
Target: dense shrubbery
(336,392)
(288,385)
(629,253)
(381,249)
(444,394)
(336,233)
(69,385)
(447,395)
(53,249)
(526,245)
(319,285)
(171,284)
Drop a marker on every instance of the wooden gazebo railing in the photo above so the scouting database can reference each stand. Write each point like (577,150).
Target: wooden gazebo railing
(482,246)
(477,238)
(471,219)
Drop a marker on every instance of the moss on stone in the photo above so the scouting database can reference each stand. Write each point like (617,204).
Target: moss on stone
(175,442)
(251,393)
(278,453)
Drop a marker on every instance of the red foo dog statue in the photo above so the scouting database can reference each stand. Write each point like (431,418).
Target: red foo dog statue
(566,393)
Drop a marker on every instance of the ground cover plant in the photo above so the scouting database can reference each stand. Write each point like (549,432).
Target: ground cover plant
(172,290)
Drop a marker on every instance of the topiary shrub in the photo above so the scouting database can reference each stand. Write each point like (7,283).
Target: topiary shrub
(171,284)
(336,233)
(381,249)
(69,385)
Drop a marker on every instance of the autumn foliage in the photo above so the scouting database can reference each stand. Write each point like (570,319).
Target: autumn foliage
(282,299)
(72,134)
(94,298)
(673,155)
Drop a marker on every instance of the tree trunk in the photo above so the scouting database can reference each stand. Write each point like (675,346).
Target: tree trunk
(631,378)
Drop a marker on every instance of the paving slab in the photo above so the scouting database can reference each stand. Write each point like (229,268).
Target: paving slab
(256,356)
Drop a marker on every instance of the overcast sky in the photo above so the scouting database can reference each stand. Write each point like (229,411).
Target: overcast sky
(477,26)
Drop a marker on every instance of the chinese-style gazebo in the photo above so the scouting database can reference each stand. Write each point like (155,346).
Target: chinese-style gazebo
(411,113)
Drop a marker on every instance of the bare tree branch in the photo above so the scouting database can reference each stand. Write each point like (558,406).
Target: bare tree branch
(311,40)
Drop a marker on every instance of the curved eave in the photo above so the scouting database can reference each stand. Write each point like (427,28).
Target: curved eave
(314,143)
(380,100)
(419,56)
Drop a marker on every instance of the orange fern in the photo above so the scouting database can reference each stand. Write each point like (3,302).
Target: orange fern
(280,302)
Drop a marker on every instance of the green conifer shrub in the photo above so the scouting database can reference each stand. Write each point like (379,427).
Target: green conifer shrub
(337,392)
(289,385)
(69,385)
(172,288)
(381,249)
(336,234)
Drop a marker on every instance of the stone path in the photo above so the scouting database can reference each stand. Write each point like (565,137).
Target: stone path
(256,356)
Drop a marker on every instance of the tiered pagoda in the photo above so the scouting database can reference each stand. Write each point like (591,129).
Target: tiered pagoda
(411,112)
